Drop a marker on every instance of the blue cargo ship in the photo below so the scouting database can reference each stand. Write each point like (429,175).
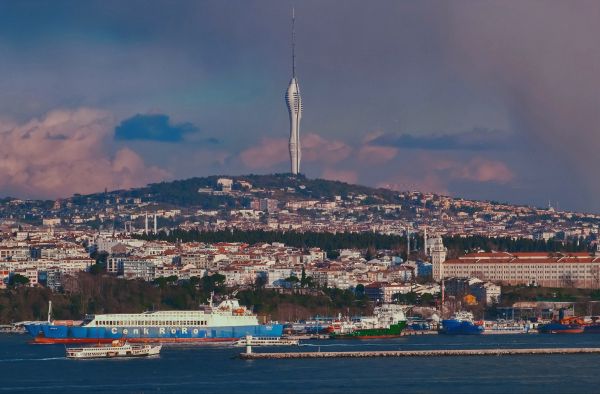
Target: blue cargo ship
(223,323)
(461,323)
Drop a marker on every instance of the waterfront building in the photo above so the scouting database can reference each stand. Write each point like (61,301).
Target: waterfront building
(557,269)
(384,292)
(486,293)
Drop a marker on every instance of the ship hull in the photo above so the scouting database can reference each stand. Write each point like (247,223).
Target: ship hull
(456,327)
(558,328)
(49,333)
(592,329)
(394,331)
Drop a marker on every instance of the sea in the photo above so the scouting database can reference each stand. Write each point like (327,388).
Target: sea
(26,367)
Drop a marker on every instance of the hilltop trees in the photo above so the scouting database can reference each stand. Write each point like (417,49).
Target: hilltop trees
(368,241)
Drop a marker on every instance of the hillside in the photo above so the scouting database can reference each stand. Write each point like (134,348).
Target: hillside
(284,187)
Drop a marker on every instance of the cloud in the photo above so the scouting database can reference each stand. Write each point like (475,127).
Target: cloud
(347,176)
(318,149)
(371,154)
(474,140)
(66,152)
(273,151)
(270,152)
(430,173)
(155,127)
(484,170)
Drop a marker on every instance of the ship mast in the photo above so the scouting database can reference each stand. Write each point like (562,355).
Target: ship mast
(442,305)
(49,311)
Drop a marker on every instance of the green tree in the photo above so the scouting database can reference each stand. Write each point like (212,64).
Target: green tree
(292,280)
(17,280)
(359,290)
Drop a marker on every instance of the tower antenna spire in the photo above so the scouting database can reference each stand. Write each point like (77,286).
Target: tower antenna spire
(293,43)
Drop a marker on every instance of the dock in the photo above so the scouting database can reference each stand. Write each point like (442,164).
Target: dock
(418,353)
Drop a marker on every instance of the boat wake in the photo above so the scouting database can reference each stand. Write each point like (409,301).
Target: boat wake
(10,360)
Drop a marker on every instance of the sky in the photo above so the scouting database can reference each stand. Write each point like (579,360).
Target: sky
(493,99)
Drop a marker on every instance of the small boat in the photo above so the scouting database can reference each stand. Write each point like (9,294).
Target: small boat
(118,348)
(266,341)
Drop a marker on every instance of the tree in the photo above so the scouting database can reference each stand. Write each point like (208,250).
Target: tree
(98,268)
(292,280)
(333,254)
(214,282)
(309,282)
(371,253)
(259,283)
(17,280)
(359,290)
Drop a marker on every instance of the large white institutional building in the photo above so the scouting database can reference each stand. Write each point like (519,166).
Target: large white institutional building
(294,104)
(579,269)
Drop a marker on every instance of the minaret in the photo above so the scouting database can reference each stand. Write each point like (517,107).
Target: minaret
(146,224)
(407,242)
(155,225)
(425,242)
(294,104)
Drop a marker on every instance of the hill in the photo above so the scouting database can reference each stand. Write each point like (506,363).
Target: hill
(284,187)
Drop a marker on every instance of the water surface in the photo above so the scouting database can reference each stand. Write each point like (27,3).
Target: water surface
(215,369)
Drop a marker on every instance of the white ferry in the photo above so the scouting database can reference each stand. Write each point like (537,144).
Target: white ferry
(116,349)
(266,341)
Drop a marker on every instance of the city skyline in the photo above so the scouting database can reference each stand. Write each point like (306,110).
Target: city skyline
(430,96)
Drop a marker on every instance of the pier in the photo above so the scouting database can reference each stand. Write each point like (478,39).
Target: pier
(418,353)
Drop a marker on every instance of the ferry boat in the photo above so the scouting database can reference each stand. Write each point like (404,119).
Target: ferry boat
(266,341)
(462,323)
(117,348)
(388,322)
(225,322)
(506,327)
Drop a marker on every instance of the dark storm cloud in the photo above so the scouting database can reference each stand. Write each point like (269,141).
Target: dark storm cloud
(474,140)
(155,127)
